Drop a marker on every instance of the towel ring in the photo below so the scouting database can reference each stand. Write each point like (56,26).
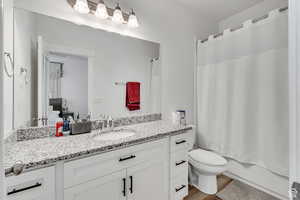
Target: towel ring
(8,55)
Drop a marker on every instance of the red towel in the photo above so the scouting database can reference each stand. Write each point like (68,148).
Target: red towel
(133,95)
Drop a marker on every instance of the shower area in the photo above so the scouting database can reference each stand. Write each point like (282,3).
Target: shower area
(242,100)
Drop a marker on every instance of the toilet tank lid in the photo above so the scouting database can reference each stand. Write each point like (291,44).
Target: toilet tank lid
(207,157)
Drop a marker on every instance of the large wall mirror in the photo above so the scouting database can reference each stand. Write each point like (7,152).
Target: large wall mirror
(68,70)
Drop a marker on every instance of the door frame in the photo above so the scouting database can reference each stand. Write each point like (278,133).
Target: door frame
(294,90)
(88,53)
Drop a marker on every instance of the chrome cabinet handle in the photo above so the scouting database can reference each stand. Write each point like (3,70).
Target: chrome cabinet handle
(14,191)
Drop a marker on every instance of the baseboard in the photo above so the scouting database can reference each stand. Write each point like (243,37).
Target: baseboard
(259,187)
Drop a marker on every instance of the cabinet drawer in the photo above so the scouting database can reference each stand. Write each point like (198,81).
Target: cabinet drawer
(179,188)
(181,142)
(87,169)
(35,185)
(179,163)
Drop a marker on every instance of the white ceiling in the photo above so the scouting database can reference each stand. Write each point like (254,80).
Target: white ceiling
(217,9)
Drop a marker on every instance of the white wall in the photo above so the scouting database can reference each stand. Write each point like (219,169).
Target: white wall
(74,84)
(258,10)
(174,30)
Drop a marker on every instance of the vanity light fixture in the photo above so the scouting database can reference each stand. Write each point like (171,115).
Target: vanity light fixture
(101,10)
(132,21)
(82,6)
(118,15)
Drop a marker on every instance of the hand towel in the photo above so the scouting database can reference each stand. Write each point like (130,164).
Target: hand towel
(133,95)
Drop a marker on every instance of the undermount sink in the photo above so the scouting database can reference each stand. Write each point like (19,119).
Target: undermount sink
(115,135)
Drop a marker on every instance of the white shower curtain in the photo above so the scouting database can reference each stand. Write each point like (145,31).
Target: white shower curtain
(242,93)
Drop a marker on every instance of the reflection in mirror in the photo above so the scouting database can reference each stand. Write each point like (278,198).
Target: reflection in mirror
(65,70)
(61,72)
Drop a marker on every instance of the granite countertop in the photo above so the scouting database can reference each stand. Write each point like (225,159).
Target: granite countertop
(39,153)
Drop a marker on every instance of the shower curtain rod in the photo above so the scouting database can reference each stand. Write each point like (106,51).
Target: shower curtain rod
(241,26)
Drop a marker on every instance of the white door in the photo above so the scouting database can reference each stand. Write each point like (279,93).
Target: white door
(294,66)
(110,187)
(148,181)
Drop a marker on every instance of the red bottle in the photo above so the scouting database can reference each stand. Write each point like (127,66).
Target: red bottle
(59,129)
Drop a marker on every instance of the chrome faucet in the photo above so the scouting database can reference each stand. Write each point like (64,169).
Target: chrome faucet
(108,123)
(43,120)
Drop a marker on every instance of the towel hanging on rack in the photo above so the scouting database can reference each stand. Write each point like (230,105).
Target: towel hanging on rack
(133,95)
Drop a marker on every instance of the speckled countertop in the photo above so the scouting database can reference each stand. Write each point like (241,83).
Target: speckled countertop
(44,152)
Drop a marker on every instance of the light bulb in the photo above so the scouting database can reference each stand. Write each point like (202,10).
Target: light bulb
(82,6)
(118,15)
(101,11)
(132,20)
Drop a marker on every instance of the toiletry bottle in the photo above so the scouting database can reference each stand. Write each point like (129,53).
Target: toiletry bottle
(59,128)
(66,127)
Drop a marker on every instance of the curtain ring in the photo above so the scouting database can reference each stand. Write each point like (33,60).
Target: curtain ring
(7,54)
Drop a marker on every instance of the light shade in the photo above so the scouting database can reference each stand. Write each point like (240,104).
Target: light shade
(118,15)
(82,6)
(132,20)
(101,11)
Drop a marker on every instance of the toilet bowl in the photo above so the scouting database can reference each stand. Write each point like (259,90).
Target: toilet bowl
(204,166)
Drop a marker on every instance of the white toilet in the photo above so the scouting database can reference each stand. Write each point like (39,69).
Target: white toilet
(204,166)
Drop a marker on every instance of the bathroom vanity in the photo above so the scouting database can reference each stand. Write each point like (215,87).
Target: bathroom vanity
(150,165)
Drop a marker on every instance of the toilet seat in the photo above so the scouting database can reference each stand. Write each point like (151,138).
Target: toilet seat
(207,158)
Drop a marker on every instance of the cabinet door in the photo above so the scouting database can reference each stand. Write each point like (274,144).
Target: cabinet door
(110,187)
(148,181)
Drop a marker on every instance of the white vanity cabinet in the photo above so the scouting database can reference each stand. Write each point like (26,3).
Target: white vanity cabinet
(155,170)
(34,185)
(137,172)
(179,147)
